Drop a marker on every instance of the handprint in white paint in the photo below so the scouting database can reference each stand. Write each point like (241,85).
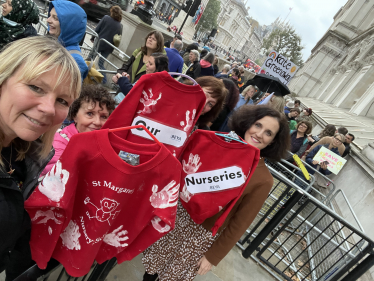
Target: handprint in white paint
(189,122)
(193,164)
(116,237)
(148,102)
(167,197)
(106,212)
(70,236)
(156,225)
(185,195)
(47,215)
(53,185)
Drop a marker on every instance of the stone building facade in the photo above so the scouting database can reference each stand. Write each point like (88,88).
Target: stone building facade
(340,70)
(235,29)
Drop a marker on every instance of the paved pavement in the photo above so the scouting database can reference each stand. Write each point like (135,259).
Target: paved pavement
(362,127)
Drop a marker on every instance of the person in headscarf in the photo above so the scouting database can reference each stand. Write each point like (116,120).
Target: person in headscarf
(17,19)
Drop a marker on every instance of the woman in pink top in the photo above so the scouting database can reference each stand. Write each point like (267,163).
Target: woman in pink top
(89,112)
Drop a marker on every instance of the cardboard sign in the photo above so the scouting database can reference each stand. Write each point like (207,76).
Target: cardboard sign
(336,162)
(279,66)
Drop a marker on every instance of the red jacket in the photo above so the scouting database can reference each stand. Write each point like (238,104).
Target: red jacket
(93,205)
(169,109)
(215,174)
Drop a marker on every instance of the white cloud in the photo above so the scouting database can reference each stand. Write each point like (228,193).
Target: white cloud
(311,19)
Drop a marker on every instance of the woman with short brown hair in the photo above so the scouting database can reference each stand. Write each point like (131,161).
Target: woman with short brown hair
(135,67)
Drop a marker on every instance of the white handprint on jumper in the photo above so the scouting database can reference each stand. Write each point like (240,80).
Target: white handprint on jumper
(148,102)
(48,215)
(70,236)
(116,237)
(185,195)
(167,197)
(189,122)
(156,225)
(53,185)
(193,164)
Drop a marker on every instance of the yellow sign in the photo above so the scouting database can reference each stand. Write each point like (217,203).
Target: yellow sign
(336,162)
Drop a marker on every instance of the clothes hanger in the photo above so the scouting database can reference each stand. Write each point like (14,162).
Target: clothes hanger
(185,76)
(231,136)
(135,127)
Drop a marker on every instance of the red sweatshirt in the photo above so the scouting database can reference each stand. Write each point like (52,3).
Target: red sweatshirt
(215,174)
(93,205)
(169,109)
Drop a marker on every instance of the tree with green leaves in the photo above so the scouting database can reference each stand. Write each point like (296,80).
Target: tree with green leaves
(208,20)
(286,42)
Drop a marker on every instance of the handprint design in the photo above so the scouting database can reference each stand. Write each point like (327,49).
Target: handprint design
(156,225)
(148,102)
(116,237)
(48,215)
(193,164)
(70,236)
(189,122)
(53,185)
(106,212)
(185,195)
(167,197)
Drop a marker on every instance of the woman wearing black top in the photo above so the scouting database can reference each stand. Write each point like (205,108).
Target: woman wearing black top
(299,138)
(36,90)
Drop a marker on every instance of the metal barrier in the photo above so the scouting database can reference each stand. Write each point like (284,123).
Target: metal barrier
(300,237)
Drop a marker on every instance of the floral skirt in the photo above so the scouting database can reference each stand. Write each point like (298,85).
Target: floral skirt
(175,256)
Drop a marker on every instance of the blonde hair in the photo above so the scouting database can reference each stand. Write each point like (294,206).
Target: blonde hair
(277,103)
(247,89)
(38,55)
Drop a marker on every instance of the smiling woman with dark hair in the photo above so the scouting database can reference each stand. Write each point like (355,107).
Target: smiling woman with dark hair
(191,248)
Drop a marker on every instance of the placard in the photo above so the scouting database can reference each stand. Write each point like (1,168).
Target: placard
(279,66)
(336,162)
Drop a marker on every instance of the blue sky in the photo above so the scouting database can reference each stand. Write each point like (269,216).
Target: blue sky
(311,19)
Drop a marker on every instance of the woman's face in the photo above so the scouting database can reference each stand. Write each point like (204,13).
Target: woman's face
(191,57)
(30,109)
(90,117)
(150,67)
(210,101)
(54,24)
(249,93)
(262,132)
(7,7)
(151,42)
(294,114)
(336,141)
(302,128)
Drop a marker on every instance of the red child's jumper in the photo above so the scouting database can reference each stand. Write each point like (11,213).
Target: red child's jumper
(215,174)
(93,205)
(168,109)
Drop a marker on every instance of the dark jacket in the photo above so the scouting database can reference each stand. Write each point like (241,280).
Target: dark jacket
(207,71)
(194,70)
(125,85)
(215,68)
(106,29)
(14,220)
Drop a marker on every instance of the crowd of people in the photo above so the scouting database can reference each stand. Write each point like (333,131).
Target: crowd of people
(43,87)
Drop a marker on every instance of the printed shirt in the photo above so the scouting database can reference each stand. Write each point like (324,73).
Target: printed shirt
(93,205)
(208,186)
(168,108)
